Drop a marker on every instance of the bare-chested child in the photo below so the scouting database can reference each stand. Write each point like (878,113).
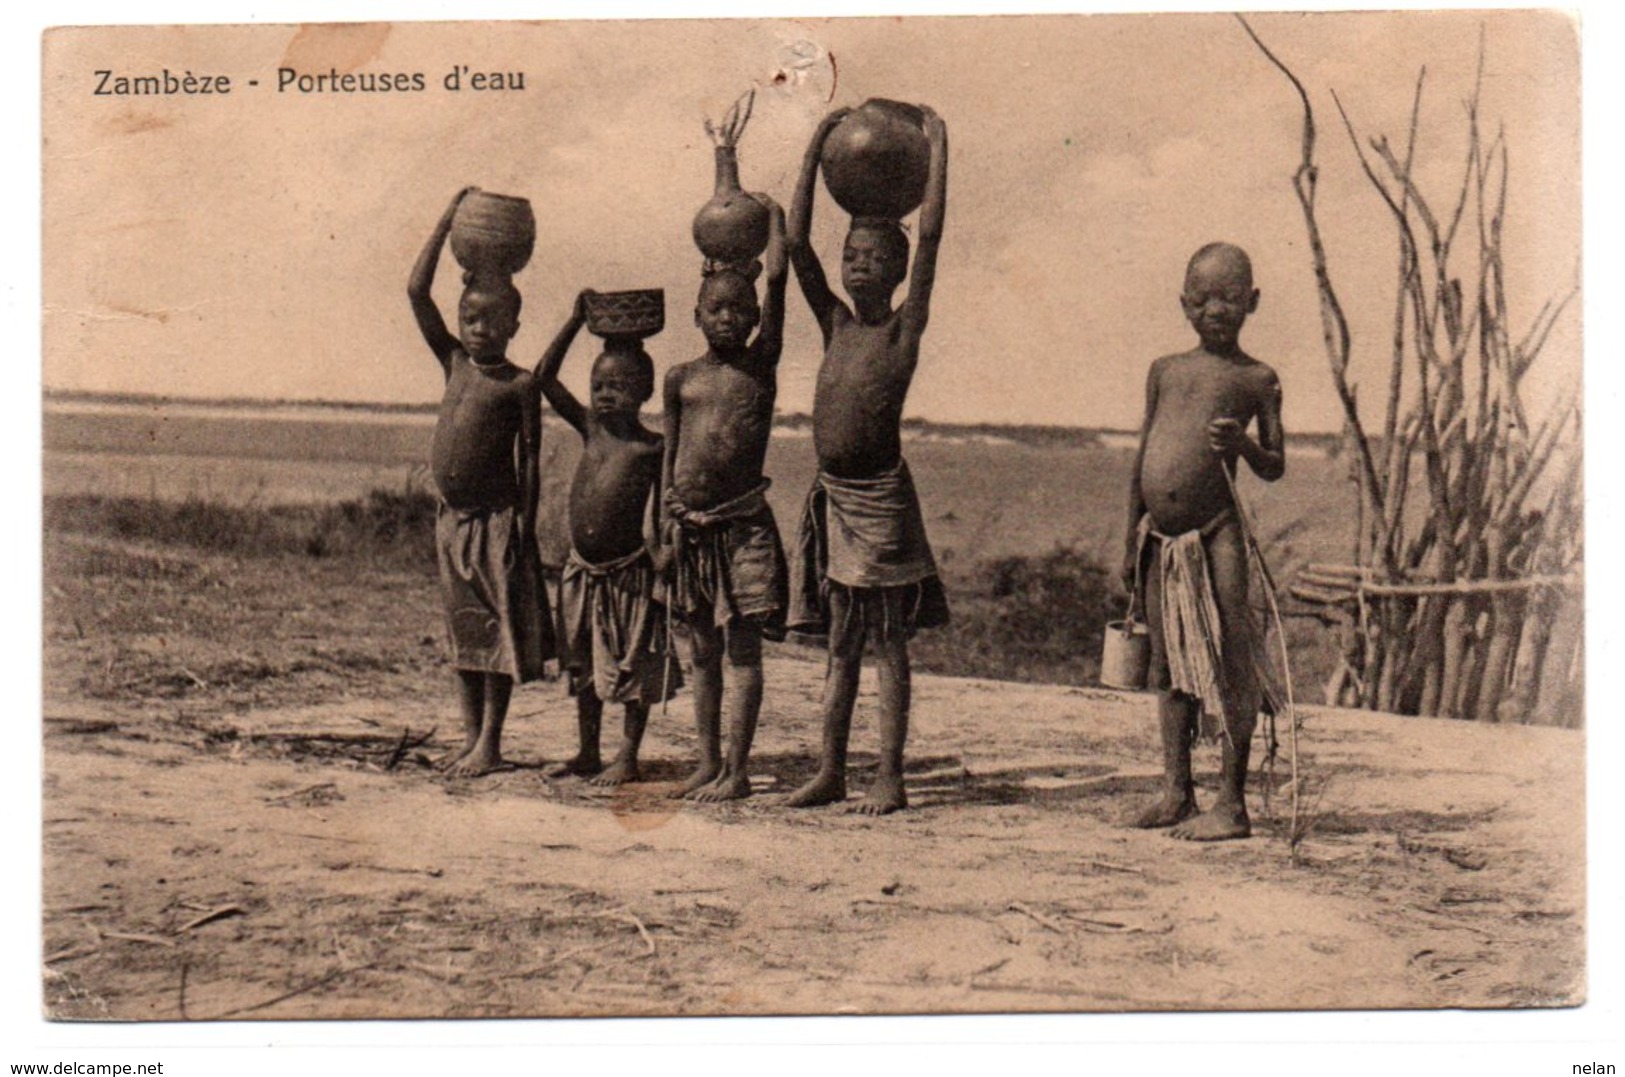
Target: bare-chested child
(728,567)
(865,572)
(612,640)
(485,467)
(1198,407)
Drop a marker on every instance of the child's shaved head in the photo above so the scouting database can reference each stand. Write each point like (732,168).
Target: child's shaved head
(731,278)
(493,287)
(487,315)
(874,261)
(887,231)
(1220,261)
(628,363)
(1219,294)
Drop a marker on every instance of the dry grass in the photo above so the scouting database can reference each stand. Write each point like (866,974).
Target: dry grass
(395,525)
(1023,617)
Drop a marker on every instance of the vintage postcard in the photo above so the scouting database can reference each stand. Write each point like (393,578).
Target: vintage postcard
(853,516)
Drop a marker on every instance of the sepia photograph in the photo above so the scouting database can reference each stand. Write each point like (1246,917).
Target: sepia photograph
(927,515)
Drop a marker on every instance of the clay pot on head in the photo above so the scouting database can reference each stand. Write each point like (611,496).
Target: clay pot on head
(493,234)
(733,226)
(875,161)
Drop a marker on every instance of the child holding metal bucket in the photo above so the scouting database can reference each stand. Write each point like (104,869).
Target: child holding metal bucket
(1188,544)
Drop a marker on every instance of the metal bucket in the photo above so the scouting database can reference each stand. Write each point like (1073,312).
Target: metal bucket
(1125,659)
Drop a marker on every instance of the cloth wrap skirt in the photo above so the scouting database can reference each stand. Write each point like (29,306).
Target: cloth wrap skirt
(1192,628)
(729,563)
(868,537)
(612,631)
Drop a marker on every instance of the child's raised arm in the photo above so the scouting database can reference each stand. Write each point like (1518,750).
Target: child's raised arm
(420,287)
(917,307)
(770,337)
(809,273)
(547,371)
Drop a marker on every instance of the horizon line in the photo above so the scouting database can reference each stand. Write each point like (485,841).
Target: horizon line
(49,395)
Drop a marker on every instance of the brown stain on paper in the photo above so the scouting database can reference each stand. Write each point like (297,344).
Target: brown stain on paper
(126,310)
(640,812)
(131,122)
(342,47)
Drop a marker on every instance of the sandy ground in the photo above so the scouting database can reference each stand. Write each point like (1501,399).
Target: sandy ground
(226,736)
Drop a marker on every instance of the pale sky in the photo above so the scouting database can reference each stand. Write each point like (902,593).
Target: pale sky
(258,245)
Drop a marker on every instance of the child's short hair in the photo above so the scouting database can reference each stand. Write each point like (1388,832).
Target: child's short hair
(743,272)
(643,367)
(497,285)
(889,231)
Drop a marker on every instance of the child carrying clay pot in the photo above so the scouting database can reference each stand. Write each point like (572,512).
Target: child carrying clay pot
(485,464)
(864,570)
(728,570)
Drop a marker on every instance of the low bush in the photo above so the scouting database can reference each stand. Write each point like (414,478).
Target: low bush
(1025,618)
(388,526)
(1022,618)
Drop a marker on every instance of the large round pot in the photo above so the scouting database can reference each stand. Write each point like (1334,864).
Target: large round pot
(493,233)
(733,226)
(876,159)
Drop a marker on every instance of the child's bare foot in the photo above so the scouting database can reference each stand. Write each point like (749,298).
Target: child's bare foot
(582,765)
(700,778)
(882,798)
(1170,809)
(826,787)
(726,787)
(1222,822)
(480,761)
(618,773)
